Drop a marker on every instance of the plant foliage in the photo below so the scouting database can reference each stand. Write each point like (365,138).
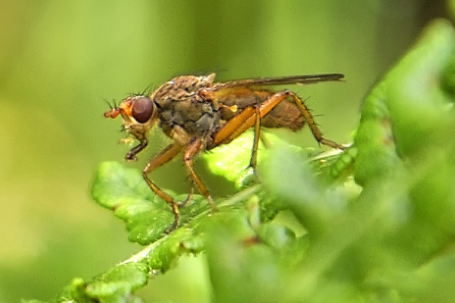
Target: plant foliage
(378,219)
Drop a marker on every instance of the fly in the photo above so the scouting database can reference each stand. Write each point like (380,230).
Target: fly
(199,114)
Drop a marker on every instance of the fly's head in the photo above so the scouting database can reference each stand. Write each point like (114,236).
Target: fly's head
(139,114)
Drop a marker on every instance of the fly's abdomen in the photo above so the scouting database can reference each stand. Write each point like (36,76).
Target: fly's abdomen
(286,114)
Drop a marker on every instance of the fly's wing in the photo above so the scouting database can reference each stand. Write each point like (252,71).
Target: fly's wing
(235,96)
(248,92)
(303,79)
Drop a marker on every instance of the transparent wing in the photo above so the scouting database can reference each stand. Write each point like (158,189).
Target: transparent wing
(302,79)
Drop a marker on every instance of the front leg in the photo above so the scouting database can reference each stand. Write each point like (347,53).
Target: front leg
(131,155)
(141,135)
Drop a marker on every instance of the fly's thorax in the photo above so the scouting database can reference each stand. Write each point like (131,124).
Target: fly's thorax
(181,88)
(180,105)
(197,118)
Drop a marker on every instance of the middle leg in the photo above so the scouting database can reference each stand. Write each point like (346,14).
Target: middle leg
(190,151)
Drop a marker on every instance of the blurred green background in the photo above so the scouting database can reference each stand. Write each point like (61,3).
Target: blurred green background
(61,60)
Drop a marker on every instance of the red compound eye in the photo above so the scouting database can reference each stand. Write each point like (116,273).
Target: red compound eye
(142,109)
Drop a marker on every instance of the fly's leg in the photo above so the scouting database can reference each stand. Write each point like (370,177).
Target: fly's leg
(163,157)
(131,155)
(246,119)
(225,134)
(312,124)
(190,151)
(257,130)
(188,199)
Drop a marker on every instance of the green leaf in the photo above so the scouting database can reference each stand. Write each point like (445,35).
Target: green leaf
(237,269)
(146,216)
(405,136)
(119,283)
(408,112)
(116,285)
(290,177)
(232,160)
